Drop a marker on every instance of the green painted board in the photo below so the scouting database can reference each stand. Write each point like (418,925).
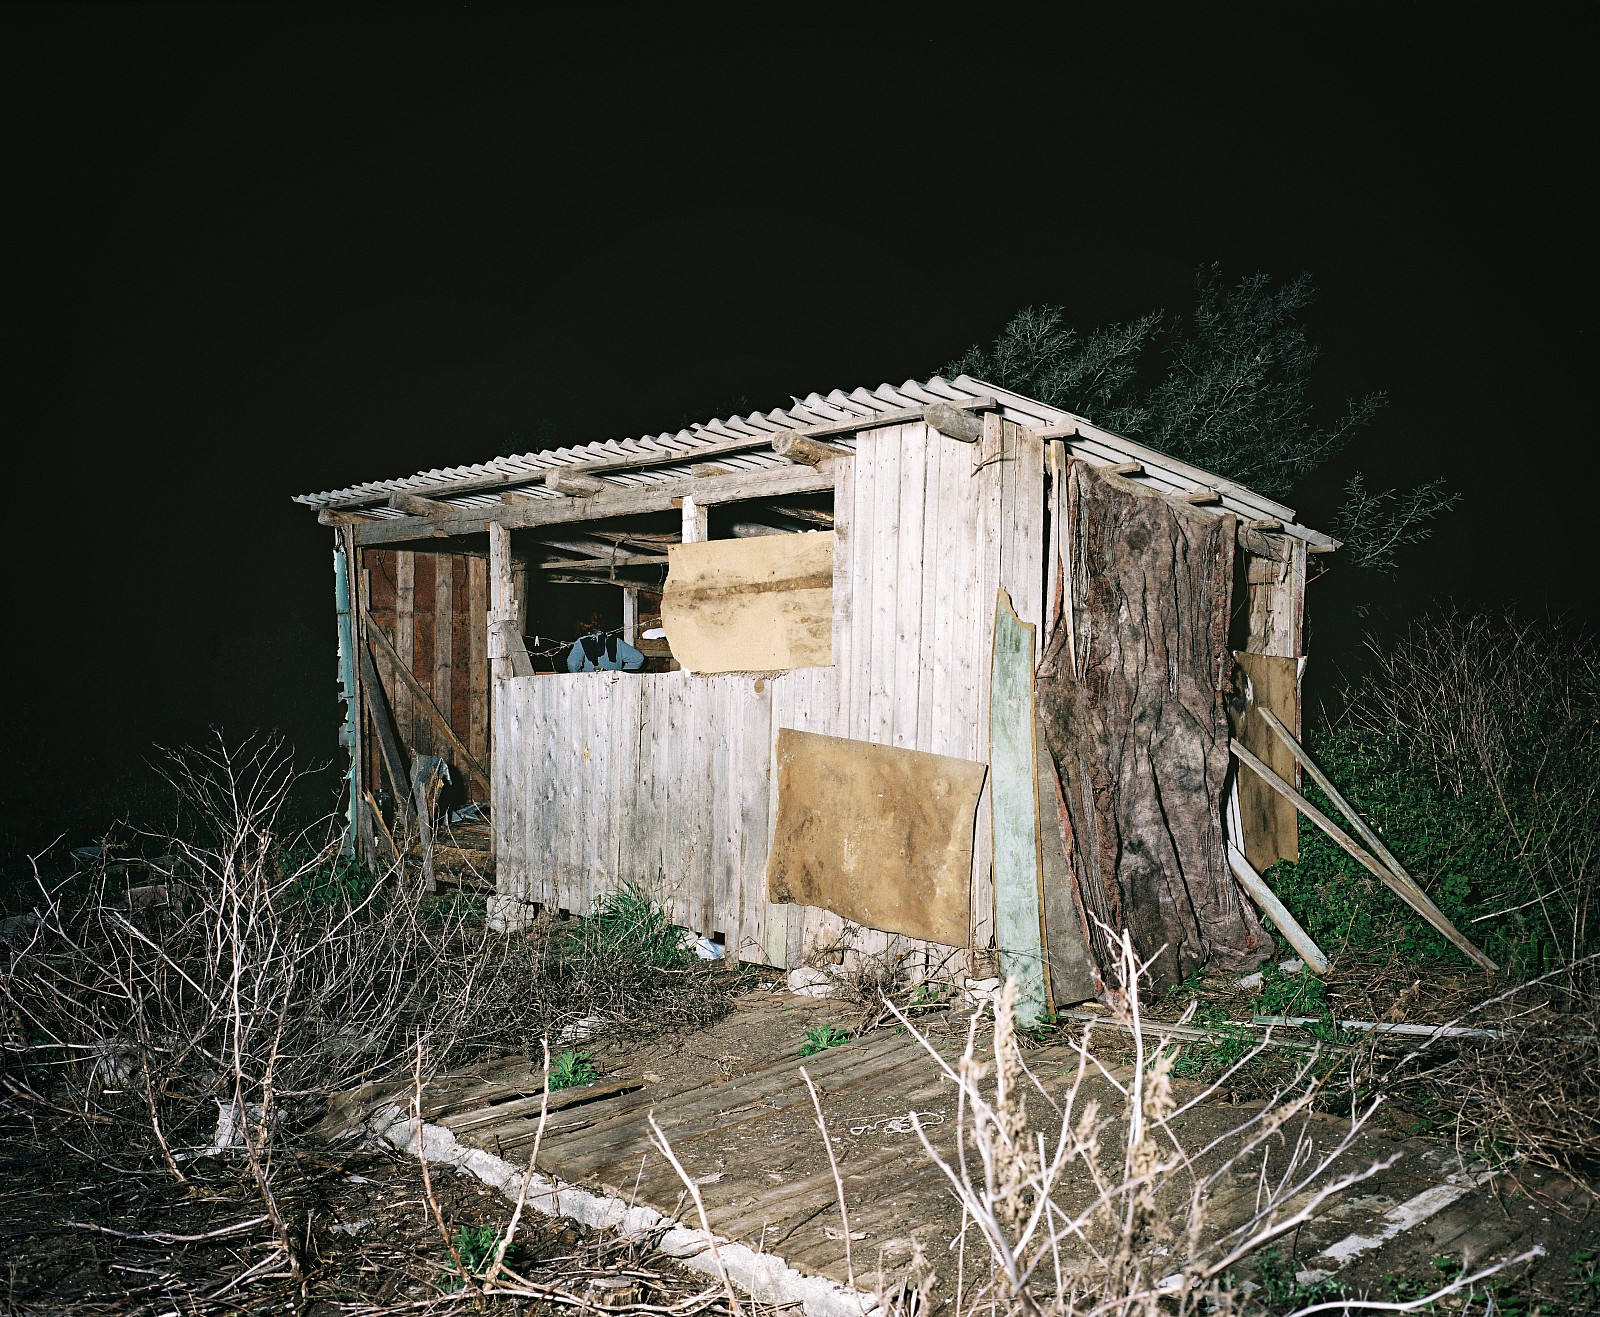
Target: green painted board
(1013,774)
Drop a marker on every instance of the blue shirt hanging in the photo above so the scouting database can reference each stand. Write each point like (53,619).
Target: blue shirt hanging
(601,653)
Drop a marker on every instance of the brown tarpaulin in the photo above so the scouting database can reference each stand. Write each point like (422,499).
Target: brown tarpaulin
(1131,693)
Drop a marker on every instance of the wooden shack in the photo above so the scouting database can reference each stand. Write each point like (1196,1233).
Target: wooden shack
(871,602)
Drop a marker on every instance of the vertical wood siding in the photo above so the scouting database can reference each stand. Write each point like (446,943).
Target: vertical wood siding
(662,779)
(666,779)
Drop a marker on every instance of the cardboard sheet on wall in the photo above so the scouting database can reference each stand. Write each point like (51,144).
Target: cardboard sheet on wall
(1270,823)
(876,834)
(761,604)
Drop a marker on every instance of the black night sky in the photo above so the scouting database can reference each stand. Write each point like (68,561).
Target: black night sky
(258,251)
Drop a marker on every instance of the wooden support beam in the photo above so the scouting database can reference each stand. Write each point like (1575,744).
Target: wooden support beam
(797,448)
(1128,470)
(478,658)
(1413,896)
(1276,911)
(953,422)
(405,636)
(508,656)
(595,554)
(1199,497)
(414,505)
(444,632)
(617,501)
(1292,743)
(505,480)
(630,615)
(695,520)
(1263,524)
(600,566)
(335,517)
(426,704)
(575,484)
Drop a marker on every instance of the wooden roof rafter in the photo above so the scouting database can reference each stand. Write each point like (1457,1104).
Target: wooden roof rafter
(578,478)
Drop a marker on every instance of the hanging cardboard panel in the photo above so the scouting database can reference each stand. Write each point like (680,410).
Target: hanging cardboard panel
(762,604)
(1268,821)
(878,835)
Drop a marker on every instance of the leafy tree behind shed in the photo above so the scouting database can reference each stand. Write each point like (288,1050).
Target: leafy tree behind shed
(1226,388)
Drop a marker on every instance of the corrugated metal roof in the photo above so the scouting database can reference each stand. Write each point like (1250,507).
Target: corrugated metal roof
(480,484)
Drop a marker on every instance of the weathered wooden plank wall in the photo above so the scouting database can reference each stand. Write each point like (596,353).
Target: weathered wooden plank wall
(433,608)
(667,778)
(927,529)
(662,779)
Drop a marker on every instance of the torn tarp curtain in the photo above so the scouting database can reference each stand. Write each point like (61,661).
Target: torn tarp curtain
(1136,721)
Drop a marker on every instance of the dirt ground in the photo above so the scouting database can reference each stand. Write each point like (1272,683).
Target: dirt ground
(84,1230)
(85,1234)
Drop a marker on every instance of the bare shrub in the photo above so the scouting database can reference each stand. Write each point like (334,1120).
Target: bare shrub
(1504,713)
(276,974)
(1107,1213)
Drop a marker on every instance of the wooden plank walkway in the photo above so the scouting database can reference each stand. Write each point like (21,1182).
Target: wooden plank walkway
(749,1139)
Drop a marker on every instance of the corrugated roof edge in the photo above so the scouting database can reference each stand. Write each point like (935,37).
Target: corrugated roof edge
(1087,440)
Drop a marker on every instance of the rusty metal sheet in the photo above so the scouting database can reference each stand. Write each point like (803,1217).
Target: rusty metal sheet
(878,835)
(762,604)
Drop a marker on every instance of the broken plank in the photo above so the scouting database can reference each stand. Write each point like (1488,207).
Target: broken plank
(1414,897)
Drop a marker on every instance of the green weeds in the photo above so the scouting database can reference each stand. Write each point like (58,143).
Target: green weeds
(820,1037)
(475,1246)
(1583,1279)
(341,882)
(629,926)
(1203,1060)
(572,1070)
(1281,1292)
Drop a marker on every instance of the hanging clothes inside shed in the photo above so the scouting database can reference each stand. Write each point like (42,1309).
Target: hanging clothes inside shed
(602,653)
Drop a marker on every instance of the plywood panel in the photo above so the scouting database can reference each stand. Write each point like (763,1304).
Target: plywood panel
(875,834)
(1269,823)
(761,604)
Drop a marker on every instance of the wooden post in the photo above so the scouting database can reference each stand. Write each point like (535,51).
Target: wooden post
(799,449)
(444,629)
(954,422)
(405,635)
(575,484)
(695,525)
(349,735)
(502,600)
(630,614)
(478,658)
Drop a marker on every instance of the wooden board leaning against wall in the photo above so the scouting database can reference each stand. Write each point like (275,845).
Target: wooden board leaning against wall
(427,612)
